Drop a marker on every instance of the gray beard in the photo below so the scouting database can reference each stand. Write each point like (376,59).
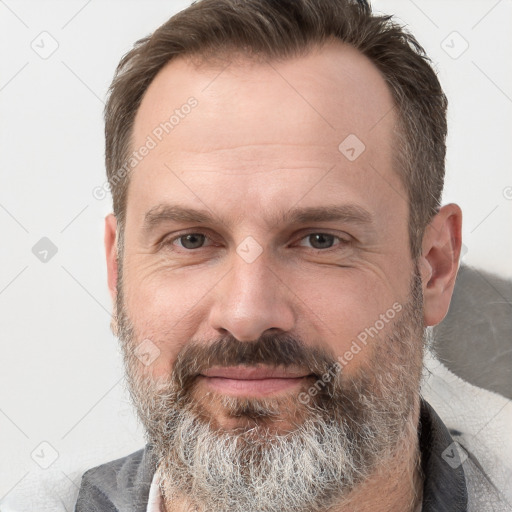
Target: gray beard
(353,425)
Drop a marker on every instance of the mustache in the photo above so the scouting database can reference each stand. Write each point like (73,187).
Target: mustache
(270,350)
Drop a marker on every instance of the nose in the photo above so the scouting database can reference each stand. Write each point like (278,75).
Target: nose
(251,300)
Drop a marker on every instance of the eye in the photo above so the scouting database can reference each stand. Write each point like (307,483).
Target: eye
(189,241)
(323,241)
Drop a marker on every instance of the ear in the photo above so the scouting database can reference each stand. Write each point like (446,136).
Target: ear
(111,253)
(439,262)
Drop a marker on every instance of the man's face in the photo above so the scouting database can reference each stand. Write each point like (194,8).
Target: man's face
(300,260)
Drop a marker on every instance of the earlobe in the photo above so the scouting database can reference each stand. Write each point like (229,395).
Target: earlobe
(111,253)
(439,262)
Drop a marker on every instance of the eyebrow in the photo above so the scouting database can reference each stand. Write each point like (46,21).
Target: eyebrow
(349,213)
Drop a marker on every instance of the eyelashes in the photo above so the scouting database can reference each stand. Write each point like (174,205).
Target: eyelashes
(193,241)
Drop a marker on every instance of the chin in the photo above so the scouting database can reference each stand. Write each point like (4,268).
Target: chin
(269,414)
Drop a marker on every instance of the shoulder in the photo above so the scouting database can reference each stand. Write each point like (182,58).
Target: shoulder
(122,484)
(125,467)
(479,422)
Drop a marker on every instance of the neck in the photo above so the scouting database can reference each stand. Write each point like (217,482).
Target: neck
(396,484)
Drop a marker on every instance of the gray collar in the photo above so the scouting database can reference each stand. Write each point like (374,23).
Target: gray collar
(444,487)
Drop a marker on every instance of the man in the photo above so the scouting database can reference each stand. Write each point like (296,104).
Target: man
(276,251)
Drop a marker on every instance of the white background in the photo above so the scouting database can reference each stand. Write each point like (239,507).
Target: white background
(61,371)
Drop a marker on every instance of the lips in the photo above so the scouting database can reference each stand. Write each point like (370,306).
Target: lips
(253,373)
(252,381)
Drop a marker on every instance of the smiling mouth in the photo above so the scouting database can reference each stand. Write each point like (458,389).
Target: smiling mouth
(252,381)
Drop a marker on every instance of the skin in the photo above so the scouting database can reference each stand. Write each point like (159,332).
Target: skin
(263,140)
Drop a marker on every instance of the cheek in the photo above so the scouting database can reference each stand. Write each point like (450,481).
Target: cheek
(163,308)
(349,309)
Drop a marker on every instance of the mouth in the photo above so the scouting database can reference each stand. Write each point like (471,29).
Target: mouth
(253,381)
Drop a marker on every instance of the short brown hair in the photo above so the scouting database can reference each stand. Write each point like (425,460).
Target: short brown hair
(279,29)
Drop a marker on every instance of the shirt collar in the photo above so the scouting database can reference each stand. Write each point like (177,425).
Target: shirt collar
(444,488)
(155,503)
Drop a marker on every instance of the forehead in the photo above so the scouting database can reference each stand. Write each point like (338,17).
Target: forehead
(334,88)
(250,119)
